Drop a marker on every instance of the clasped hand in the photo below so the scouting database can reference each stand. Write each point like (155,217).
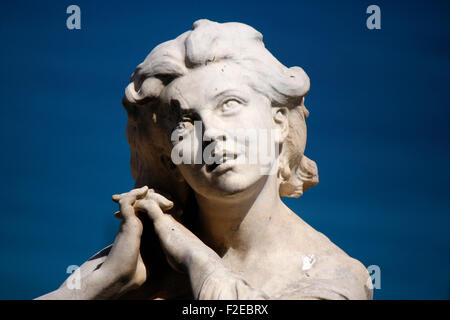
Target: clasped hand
(182,248)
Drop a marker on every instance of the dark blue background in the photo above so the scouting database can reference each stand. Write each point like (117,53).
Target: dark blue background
(378,129)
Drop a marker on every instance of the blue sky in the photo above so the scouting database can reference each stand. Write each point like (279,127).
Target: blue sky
(378,129)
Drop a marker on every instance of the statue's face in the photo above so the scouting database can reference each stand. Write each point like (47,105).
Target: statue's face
(217,108)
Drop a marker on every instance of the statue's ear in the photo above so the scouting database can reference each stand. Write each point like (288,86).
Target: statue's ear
(281,123)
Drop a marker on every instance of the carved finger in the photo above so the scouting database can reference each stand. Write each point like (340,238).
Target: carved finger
(138,193)
(151,207)
(127,200)
(162,201)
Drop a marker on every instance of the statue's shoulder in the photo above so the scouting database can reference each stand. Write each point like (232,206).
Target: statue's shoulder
(323,261)
(342,274)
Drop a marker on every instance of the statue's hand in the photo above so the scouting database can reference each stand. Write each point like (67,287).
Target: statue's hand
(210,278)
(124,262)
(116,269)
(180,245)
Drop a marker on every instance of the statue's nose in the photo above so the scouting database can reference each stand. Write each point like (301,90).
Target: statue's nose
(213,135)
(212,128)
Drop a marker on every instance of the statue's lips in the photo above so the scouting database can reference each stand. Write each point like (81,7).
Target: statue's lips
(224,164)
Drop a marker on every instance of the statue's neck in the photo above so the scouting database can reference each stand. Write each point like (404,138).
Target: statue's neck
(243,224)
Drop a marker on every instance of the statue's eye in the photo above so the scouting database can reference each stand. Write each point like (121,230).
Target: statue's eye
(230,106)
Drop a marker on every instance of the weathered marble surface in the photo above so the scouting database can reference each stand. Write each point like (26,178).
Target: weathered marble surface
(225,232)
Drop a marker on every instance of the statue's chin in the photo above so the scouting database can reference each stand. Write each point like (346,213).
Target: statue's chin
(232,186)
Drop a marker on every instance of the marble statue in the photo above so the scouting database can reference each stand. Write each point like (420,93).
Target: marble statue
(199,229)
